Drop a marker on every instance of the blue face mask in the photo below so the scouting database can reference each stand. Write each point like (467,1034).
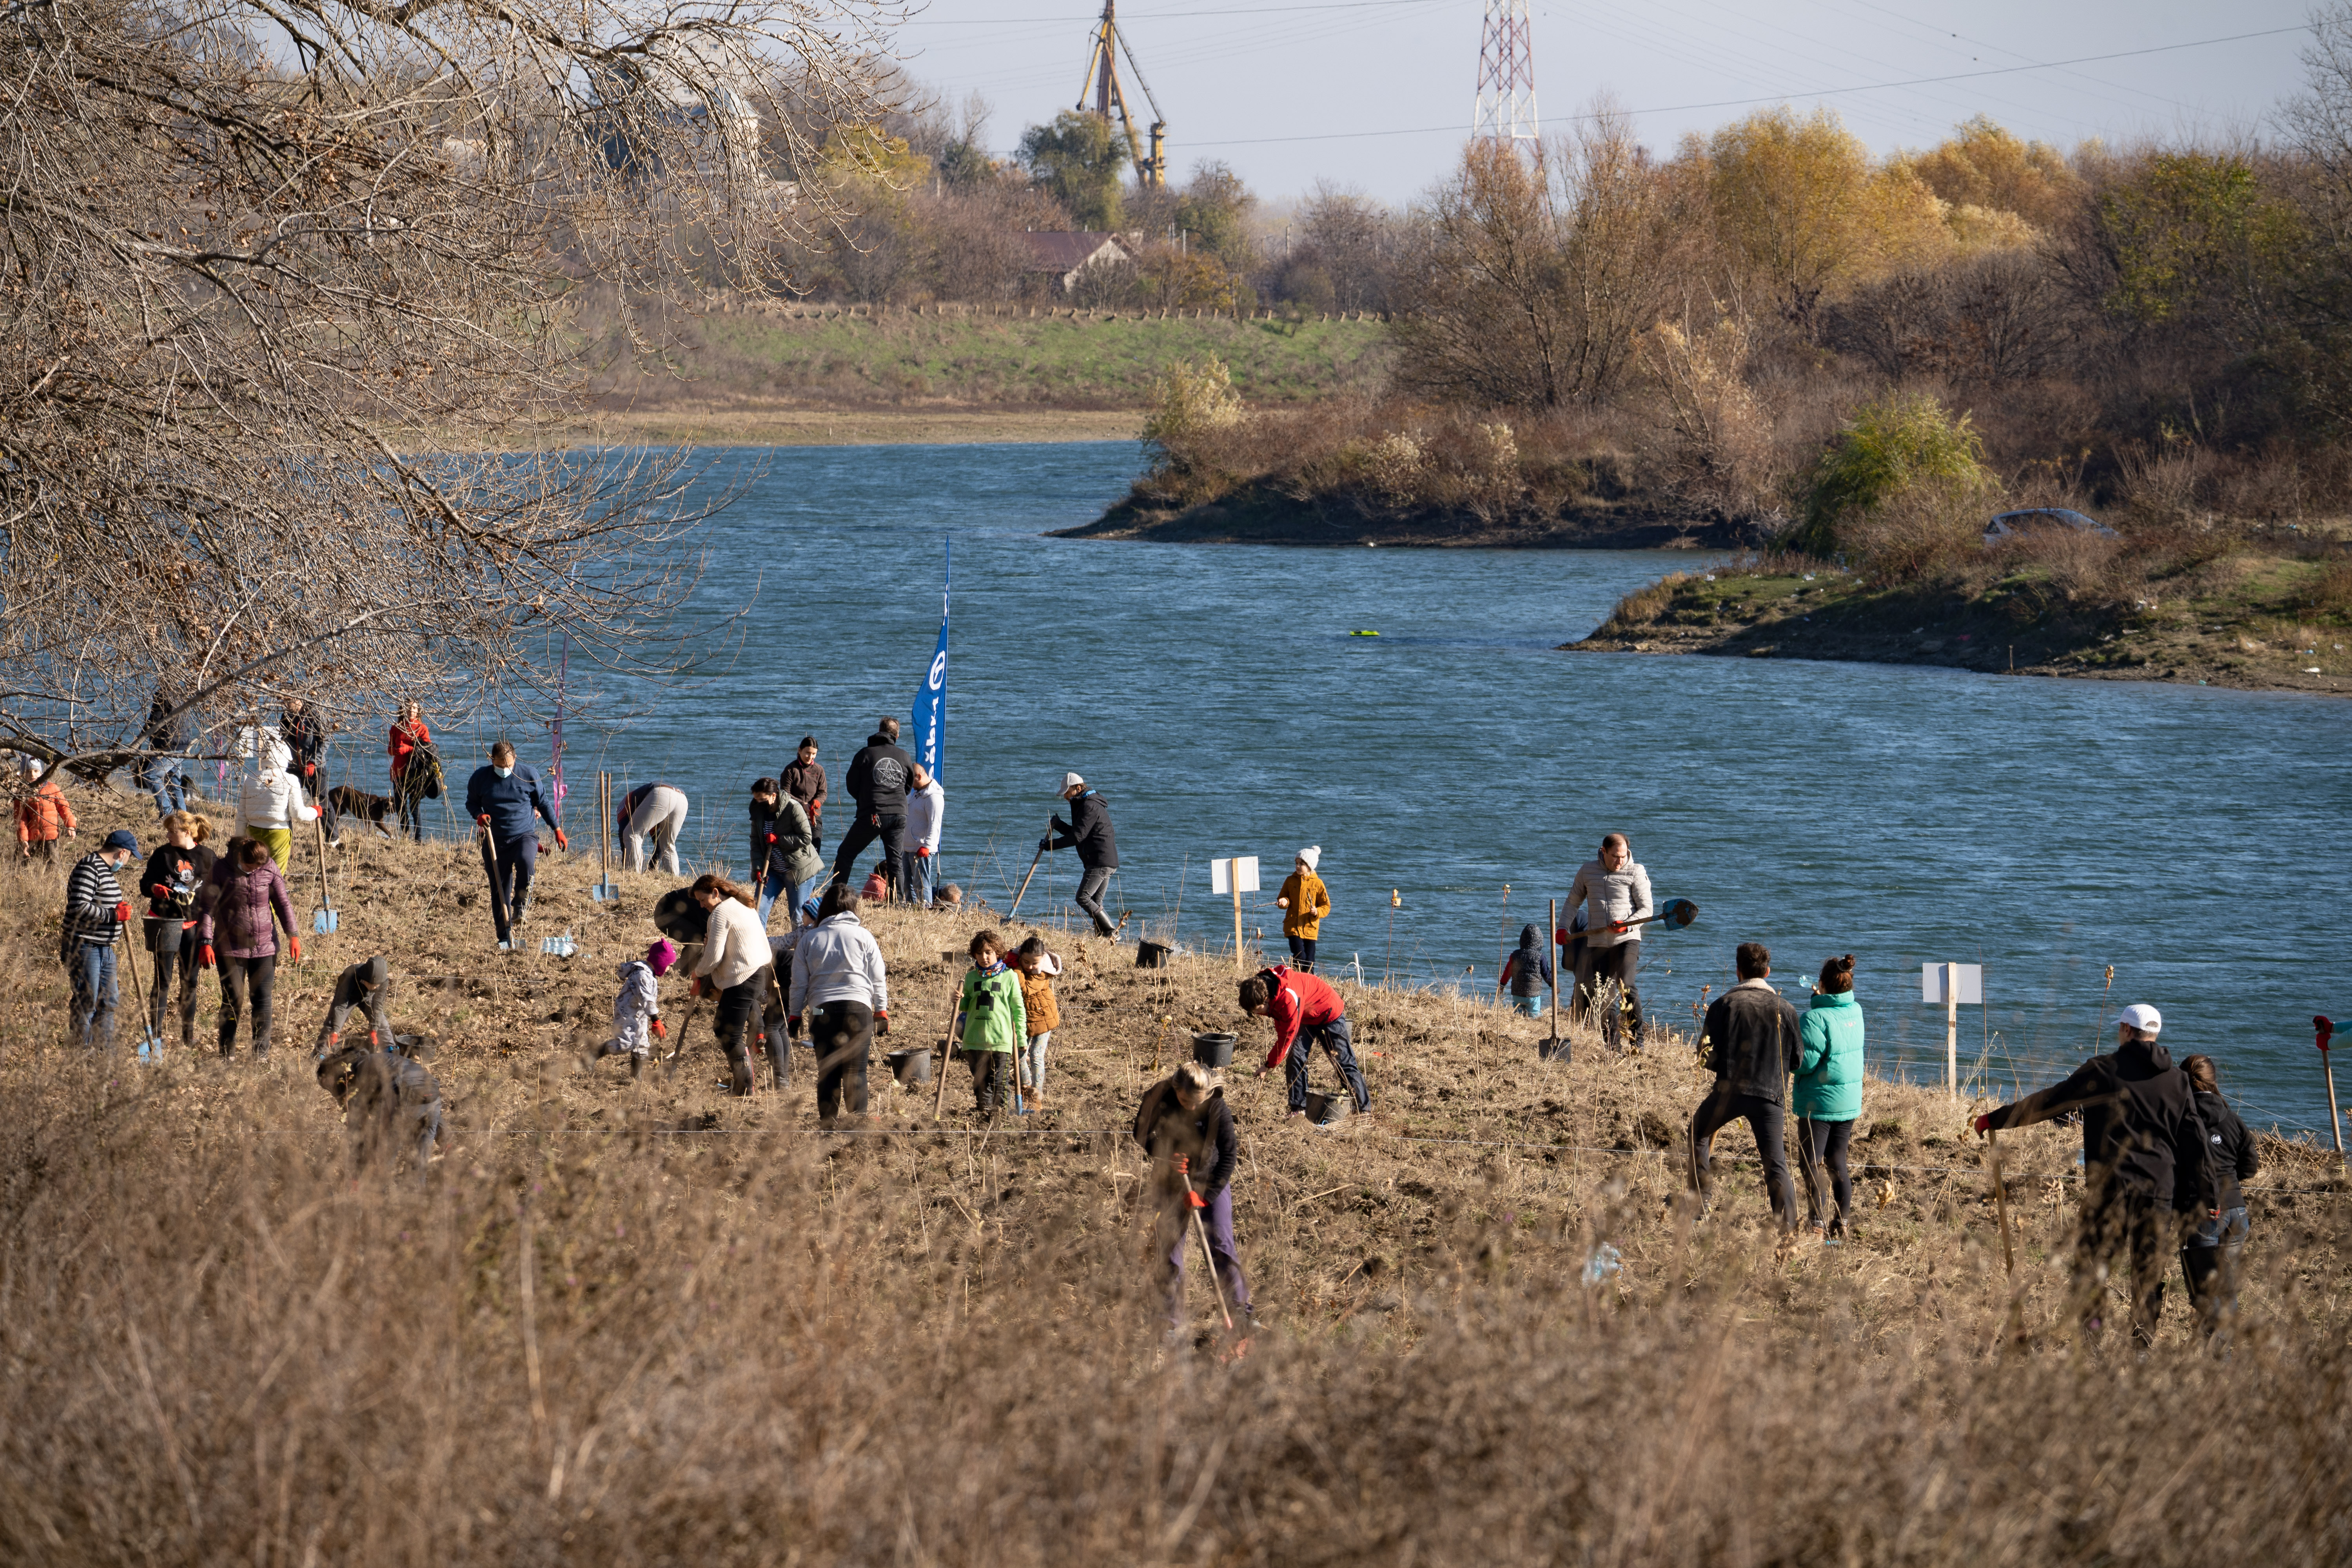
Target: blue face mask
(503,772)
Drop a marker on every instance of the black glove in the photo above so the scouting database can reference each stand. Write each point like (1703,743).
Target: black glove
(1045,844)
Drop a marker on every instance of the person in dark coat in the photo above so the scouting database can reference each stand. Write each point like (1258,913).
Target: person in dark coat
(1527,974)
(805,781)
(2144,1156)
(1186,1127)
(2209,1254)
(1750,1041)
(366,987)
(391,1105)
(1088,832)
(879,776)
(507,804)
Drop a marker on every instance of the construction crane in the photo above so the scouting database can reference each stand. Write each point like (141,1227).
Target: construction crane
(1102,82)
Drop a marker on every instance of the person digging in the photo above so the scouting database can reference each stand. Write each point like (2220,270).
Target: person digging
(1307,1012)
(1187,1128)
(366,986)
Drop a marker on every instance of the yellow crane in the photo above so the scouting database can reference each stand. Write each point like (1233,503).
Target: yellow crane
(1102,82)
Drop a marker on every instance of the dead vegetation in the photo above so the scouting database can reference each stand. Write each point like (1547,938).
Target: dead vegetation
(648,1323)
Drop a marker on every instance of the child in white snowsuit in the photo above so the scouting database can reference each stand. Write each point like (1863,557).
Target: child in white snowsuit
(637,1011)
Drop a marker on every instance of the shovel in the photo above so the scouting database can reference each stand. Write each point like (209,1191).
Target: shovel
(498,894)
(604,891)
(150,1043)
(323,920)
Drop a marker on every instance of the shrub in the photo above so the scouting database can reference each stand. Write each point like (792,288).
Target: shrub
(2329,593)
(1188,403)
(1889,449)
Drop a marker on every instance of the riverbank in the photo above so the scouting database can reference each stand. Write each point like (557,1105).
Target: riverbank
(661,1322)
(1264,513)
(2252,618)
(758,423)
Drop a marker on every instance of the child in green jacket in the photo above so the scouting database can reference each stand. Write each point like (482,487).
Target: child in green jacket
(990,1023)
(1828,1089)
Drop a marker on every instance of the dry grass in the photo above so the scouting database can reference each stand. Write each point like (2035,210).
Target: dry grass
(591,1335)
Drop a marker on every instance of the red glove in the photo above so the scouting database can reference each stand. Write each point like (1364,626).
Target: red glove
(701,987)
(1196,1200)
(561,842)
(483,820)
(296,943)
(122,914)
(205,956)
(793,1022)
(1184,1165)
(1983,1124)
(661,1030)
(160,891)
(771,839)
(922,851)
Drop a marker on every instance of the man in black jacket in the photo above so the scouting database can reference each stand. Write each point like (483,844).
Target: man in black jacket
(1750,1040)
(2209,1256)
(1186,1125)
(1088,831)
(878,783)
(2144,1156)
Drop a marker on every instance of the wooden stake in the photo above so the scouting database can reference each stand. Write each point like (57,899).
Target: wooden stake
(2335,1117)
(1241,964)
(1952,1028)
(1552,929)
(2000,1200)
(940,1095)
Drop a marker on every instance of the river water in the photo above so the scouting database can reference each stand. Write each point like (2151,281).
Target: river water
(2192,838)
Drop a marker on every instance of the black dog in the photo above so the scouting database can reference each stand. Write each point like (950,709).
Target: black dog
(392,1107)
(349,802)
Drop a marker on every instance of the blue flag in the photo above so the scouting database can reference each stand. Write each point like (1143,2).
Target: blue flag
(931,702)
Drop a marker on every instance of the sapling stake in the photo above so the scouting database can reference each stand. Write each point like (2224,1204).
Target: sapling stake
(940,1095)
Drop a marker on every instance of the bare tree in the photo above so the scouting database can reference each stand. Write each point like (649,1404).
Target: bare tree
(263,255)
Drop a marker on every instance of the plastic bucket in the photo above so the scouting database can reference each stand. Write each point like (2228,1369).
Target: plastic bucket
(1214,1051)
(1151,954)
(911,1066)
(1327,1110)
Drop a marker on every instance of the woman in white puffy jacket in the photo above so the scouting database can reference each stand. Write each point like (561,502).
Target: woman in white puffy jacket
(736,961)
(273,807)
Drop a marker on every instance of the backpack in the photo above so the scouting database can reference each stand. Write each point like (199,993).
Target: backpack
(428,760)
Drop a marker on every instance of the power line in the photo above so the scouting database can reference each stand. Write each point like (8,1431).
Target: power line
(1777,97)
(1173,16)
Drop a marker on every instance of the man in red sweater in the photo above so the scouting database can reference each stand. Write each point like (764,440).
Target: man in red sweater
(1305,1011)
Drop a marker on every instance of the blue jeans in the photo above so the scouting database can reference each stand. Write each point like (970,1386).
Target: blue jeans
(1333,1037)
(915,878)
(775,884)
(161,778)
(1529,1006)
(94,994)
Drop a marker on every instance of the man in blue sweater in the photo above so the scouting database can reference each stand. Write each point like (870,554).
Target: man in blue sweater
(502,799)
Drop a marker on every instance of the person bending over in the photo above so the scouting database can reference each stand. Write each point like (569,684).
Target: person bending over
(1307,1012)
(842,989)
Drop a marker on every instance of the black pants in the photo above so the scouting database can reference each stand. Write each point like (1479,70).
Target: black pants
(2146,1230)
(174,948)
(2211,1269)
(1828,1140)
(1302,953)
(739,1005)
(1091,883)
(245,980)
(1594,971)
(1336,1039)
(1719,1110)
(992,1080)
(514,865)
(408,799)
(842,1033)
(890,828)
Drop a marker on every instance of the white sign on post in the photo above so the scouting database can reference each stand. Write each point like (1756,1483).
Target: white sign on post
(1235,876)
(1970,985)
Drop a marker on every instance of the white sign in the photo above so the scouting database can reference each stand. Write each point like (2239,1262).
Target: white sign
(1237,875)
(1931,984)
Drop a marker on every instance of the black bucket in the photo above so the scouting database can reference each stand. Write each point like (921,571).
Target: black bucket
(1327,1110)
(1214,1051)
(911,1066)
(1151,954)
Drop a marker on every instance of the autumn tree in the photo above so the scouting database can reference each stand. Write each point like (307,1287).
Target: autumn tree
(1081,160)
(1984,167)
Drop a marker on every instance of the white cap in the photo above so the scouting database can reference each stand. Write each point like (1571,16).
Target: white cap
(2143,1018)
(1069,779)
(1049,965)
(1312,854)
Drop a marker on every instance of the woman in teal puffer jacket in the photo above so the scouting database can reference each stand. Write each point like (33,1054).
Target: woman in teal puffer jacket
(1829,1088)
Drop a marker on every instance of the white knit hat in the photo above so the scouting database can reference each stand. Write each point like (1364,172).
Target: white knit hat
(1312,854)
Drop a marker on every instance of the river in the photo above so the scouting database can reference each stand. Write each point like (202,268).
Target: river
(2193,838)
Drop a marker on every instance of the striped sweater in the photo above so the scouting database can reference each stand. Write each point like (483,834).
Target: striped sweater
(92,896)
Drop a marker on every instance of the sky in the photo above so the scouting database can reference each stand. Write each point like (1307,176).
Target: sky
(1376,95)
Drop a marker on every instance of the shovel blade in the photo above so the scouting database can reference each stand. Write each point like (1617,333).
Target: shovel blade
(323,922)
(604,892)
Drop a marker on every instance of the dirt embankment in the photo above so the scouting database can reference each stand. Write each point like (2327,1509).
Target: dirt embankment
(1261,513)
(2247,636)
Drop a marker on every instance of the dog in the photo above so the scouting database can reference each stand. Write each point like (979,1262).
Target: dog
(391,1106)
(348,802)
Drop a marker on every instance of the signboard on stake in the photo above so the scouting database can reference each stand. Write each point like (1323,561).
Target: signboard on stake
(1951,984)
(1236,875)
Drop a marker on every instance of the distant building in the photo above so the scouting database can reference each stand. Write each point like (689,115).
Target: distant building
(1064,258)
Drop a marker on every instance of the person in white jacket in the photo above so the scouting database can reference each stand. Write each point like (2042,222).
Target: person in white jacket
(272,807)
(837,972)
(1614,890)
(637,1011)
(735,957)
(926,808)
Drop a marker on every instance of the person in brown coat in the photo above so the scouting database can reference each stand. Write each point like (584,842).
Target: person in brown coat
(1037,968)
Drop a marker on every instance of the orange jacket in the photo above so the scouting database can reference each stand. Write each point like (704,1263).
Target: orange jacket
(43,815)
(1037,999)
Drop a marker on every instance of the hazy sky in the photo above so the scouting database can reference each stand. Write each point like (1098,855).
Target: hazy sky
(1377,94)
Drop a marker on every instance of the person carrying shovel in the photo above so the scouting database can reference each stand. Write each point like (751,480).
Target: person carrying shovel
(1614,889)
(1307,1012)
(1188,1129)
(502,799)
(1088,832)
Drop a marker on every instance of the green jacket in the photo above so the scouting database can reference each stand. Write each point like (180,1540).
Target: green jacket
(1829,1059)
(990,1017)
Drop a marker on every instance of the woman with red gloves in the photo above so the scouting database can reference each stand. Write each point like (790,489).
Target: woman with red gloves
(735,960)
(1188,1129)
(181,868)
(238,930)
(409,736)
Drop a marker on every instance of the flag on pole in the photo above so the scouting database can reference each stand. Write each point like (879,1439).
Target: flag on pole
(931,702)
(562,675)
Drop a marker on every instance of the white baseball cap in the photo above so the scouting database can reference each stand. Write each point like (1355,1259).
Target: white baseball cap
(2143,1018)
(1068,780)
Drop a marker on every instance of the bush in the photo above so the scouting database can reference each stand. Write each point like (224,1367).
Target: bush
(1189,403)
(2329,593)
(1891,447)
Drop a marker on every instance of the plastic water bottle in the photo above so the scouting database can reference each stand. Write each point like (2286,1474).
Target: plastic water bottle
(1604,1263)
